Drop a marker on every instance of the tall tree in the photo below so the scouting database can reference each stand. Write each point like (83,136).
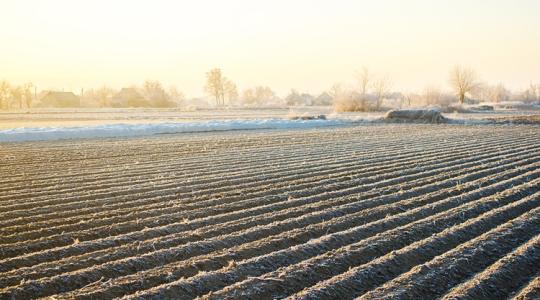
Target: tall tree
(17,94)
(463,81)
(364,79)
(264,94)
(215,85)
(102,94)
(27,91)
(381,87)
(249,97)
(335,91)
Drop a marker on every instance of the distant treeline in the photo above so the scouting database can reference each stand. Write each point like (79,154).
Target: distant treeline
(370,93)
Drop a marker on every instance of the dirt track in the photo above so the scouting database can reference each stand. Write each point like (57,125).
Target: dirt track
(381,211)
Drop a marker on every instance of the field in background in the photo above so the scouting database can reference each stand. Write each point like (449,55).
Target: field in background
(382,211)
(94,117)
(89,117)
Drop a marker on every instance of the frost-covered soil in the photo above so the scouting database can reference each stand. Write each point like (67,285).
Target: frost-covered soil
(381,211)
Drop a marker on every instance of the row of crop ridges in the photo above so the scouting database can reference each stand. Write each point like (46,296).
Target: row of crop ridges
(10,248)
(167,255)
(338,174)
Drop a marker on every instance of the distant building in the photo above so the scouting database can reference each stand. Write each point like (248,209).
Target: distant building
(60,99)
(129,97)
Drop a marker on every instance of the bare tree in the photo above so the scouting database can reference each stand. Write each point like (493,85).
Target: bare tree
(258,95)
(102,94)
(335,91)
(230,90)
(5,94)
(153,91)
(17,94)
(27,91)
(264,93)
(215,85)
(463,81)
(499,93)
(364,79)
(381,87)
(249,97)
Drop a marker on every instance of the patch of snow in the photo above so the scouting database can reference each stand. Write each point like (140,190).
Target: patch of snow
(126,130)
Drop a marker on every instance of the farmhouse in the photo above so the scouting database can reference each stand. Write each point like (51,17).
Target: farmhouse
(60,99)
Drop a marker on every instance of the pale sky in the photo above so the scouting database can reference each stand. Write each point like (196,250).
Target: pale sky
(304,44)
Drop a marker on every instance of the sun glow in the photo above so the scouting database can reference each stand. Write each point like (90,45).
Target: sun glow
(308,45)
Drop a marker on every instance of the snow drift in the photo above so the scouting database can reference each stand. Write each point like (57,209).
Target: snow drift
(125,130)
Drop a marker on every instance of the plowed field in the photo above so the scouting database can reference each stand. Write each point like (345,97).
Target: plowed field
(370,212)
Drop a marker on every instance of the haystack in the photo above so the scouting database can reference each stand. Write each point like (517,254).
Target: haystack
(415,116)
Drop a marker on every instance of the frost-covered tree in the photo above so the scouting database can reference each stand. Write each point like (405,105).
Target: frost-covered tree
(364,79)
(17,94)
(335,90)
(27,94)
(381,87)
(463,81)
(154,92)
(258,95)
(102,95)
(215,85)
(348,100)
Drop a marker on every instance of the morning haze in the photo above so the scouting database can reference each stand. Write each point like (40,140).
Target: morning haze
(306,45)
(250,149)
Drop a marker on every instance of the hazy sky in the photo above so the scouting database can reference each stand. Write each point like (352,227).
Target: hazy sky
(303,44)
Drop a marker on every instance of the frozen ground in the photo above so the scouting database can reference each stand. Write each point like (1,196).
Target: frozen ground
(52,124)
(391,211)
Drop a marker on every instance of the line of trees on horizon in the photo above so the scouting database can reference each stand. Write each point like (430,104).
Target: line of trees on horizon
(466,88)
(370,93)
